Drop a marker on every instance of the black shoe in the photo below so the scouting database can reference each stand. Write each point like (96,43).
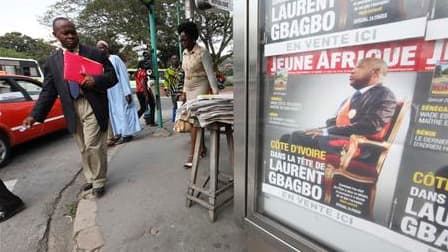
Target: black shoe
(8,212)
(86,187)
(125,139)
(128,138)
(98,192)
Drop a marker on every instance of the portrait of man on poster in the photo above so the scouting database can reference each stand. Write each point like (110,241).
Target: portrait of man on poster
(366,113)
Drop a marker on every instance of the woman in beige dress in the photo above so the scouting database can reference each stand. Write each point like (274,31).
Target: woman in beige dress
(199,75)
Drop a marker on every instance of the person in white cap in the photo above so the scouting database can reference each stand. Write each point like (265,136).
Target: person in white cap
(123,112)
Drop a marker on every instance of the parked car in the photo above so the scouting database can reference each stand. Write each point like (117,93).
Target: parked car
(20,66)
(18,95)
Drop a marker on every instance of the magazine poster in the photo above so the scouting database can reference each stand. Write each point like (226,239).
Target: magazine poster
(364,158)
(296,26)
(420,205)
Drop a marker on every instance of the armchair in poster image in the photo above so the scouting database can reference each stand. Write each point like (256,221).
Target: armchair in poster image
(352,171)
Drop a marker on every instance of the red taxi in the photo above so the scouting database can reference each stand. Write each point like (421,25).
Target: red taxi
(17,97)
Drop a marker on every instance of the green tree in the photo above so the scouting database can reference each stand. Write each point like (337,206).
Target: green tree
(216,34)
(37,49)
(5,52)
(124,24)
(445,71)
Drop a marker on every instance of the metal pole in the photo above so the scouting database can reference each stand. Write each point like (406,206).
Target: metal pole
(178,23)
(152,29)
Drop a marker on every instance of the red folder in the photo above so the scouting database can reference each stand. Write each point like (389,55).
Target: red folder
(75,66)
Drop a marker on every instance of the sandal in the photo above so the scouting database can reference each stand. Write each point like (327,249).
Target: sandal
(113,140)
(110,143)
(189,163)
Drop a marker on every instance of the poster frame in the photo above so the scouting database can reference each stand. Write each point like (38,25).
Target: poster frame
(248,132)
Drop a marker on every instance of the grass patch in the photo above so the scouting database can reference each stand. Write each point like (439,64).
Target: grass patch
(70,209)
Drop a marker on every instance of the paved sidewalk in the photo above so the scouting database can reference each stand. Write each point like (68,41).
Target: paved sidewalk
(144,208)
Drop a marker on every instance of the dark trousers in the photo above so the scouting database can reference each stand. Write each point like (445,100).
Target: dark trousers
(368,154)
(144,105)
(7,198)
(317,142)
(174,101)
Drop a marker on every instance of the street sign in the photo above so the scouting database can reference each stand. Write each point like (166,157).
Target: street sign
(139,47)
(225,5)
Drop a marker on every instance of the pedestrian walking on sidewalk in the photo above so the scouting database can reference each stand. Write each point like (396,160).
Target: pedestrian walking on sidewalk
(85,104)
(10,204)
(144,93)
(199,75)
(174,82)
(122,110)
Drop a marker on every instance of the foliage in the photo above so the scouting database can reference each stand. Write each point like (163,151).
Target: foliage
(216,29)
(131,27)
(5,52)
(445,71)
(25,46)
(62,8)
(124,24)
(227,70)
(70,209)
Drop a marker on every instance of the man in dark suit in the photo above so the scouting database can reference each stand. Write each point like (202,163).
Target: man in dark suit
(85,104)
(365,113)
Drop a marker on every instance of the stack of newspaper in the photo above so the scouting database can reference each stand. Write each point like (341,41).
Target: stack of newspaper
(208,109)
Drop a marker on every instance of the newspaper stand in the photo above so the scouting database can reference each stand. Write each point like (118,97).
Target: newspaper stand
(217,184)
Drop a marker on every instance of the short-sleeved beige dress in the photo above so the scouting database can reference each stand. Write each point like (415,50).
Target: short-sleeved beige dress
(199,75)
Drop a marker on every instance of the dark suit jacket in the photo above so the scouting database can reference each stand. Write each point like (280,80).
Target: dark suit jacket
(374,109)
(54,85)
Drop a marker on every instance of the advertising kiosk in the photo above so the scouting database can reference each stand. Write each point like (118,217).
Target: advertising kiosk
(341,124)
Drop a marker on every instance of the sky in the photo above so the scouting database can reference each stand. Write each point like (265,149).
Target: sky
(22,15)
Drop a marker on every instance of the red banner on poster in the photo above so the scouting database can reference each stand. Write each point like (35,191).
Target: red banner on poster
(403,56)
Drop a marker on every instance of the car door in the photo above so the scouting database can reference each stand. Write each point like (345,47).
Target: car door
(15,106)
(55,119)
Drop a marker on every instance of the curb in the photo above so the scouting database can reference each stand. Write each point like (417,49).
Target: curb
(86,233)
(87,236)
